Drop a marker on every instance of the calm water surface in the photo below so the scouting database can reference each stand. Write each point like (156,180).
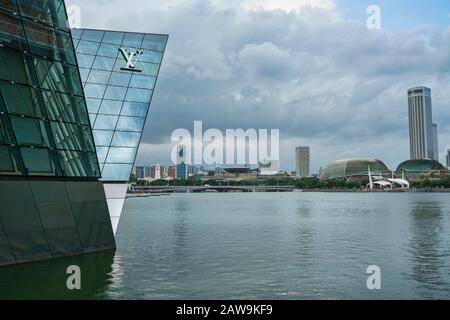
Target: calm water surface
(260,246)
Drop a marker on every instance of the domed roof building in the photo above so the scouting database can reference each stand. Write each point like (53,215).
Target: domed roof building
(420,166)
(347,168)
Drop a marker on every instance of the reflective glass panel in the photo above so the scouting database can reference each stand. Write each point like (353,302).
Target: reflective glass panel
(31,132)
(117,172)
(49,11)
(108,50)
(87,47)
(93,35)
(99,76)
(11,31)
(133,40)
(93,105)
(102,152)
(121,155)
(104,63)
(155,42)
(126,139)
(105,122)
(130,124)
(22,100)
(72,137)
(111,107)
(9,161)
(143,82)
(17,66)
(92,90)
(79,164)
(85,60)
(151,56)
(113,37)
(115,93)
(60,77)
(139,95)
(40,162)
(102,137)
(134,109)
(120,79)
(63,107)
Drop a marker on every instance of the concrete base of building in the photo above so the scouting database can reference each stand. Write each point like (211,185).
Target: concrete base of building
(41,220)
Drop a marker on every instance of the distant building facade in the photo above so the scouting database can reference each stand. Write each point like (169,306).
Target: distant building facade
(422,143)
(435,143)
(448,158)
(303,161)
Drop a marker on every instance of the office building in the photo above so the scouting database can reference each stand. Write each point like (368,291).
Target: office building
(119,71)
(422,143)
(182,167)
(435,143)
(140,172)
(448,158)
(52,203)
(303,161)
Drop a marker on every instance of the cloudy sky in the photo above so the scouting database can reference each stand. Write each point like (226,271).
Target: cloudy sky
(311,68)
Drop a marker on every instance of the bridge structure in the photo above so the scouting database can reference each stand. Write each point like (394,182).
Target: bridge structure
(200,189)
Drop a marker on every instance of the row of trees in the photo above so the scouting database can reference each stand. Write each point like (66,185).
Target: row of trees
(306,183)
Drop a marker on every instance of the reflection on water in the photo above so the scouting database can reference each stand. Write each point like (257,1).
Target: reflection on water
(259,246)
(429,256)
(47,279)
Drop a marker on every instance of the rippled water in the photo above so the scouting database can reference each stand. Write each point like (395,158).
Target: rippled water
(260,246)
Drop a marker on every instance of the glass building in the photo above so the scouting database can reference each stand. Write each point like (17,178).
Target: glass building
(119,71)
(51,201)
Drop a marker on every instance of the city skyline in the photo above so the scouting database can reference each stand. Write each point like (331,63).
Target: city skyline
(345,103)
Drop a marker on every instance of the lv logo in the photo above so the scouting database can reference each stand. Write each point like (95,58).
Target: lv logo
(132,58)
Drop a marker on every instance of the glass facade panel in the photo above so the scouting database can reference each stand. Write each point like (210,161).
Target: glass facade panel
(48,42)
(139,95)
(79,164)
(102,153)
(108,50)
(105,122)
(92,90)
(104,63)
(155,42)
(135,109)
(115,93)
(113,37)
(85,61)
(39,162)
(72,137)
(117,172)
(126,93)
(66,108)
(31,132)
(126,139)
(121,155)
(99,76)
(120,79)
(143,82)
(102,138)
(9,161)
(110,107)
(48,11)
(87,47)
(22,100)
(11,31)
(17,66)
(10,5)
(93,105)
(130,124)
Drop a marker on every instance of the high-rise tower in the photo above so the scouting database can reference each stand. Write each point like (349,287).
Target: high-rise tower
(420,123)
